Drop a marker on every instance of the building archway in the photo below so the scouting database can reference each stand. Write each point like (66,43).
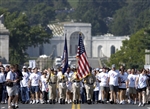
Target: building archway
(74,38)
(112,49)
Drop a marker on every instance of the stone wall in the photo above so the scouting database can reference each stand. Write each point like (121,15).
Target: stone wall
(4,42)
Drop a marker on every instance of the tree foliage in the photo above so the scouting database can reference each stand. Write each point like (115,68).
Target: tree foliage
(132,53)
(95,12)
(131,18)
(22,35)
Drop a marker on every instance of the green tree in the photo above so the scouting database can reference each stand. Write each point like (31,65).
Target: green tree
(131,18)
(120,25)
(95,12)
(41,14)
(132,53)
(22,35)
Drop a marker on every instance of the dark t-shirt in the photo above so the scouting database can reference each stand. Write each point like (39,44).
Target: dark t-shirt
(19,76)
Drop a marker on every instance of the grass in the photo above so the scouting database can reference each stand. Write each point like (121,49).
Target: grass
(73,3)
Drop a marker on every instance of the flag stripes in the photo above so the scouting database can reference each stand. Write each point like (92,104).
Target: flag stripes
(83,65)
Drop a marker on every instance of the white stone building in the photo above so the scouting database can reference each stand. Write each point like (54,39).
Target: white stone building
(96,46)
(4,42)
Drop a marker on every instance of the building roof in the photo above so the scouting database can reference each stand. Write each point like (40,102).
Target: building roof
(58,28)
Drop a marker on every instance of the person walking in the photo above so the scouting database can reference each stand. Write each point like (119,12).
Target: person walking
(141,85)
(52,85)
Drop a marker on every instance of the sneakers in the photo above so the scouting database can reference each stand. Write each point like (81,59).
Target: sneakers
(13,107)
(103,102)
(42,102)
(5,101)
(140,104)
(2,102)
(27,102)
(129,101)
(16,106)
(134,102)
(143,104)
(111,102)
(117,101)
(37,101)
(121,102)
(33,102)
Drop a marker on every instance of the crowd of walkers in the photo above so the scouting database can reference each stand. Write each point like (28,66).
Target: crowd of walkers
(50,86)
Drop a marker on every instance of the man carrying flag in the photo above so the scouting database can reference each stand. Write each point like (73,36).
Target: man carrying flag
(84,71)
(62,80)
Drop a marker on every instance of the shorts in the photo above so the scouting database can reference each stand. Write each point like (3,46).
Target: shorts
(103,88)
(34,89)
(122,88)
(12,90)
(132,90)
(141,89)
(113,88)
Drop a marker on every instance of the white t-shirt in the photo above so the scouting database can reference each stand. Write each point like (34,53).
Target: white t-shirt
(123,79)
(103,77)
(59,73)
(35,78)
(10,75)
(2,77)
(25,79)
(97,88)
(131,78)
(69,75)
(142,81)
(44,84)
(69,84)
(113,75)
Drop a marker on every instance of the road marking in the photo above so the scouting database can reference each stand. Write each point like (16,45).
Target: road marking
(73,106)
(78,106)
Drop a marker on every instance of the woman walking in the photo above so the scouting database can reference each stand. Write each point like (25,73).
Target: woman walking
(141,85)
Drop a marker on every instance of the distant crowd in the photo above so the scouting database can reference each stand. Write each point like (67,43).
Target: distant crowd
(50,86)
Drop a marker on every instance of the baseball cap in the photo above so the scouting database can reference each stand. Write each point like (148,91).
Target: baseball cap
(97,69)
(113,66)
(29,67)
(100,70)
(24,67)
(34,68)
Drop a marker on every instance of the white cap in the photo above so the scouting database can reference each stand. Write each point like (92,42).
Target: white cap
(29,67)
(97,69)
(100,70)
(113,66)
(34,67)
(24,67)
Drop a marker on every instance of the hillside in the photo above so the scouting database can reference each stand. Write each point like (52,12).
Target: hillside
(119,17)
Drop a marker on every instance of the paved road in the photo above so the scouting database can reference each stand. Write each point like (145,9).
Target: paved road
(79,106)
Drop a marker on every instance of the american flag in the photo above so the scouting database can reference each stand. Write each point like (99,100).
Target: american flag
(83,65)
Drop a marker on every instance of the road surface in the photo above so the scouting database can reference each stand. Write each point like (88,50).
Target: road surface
(77,106)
